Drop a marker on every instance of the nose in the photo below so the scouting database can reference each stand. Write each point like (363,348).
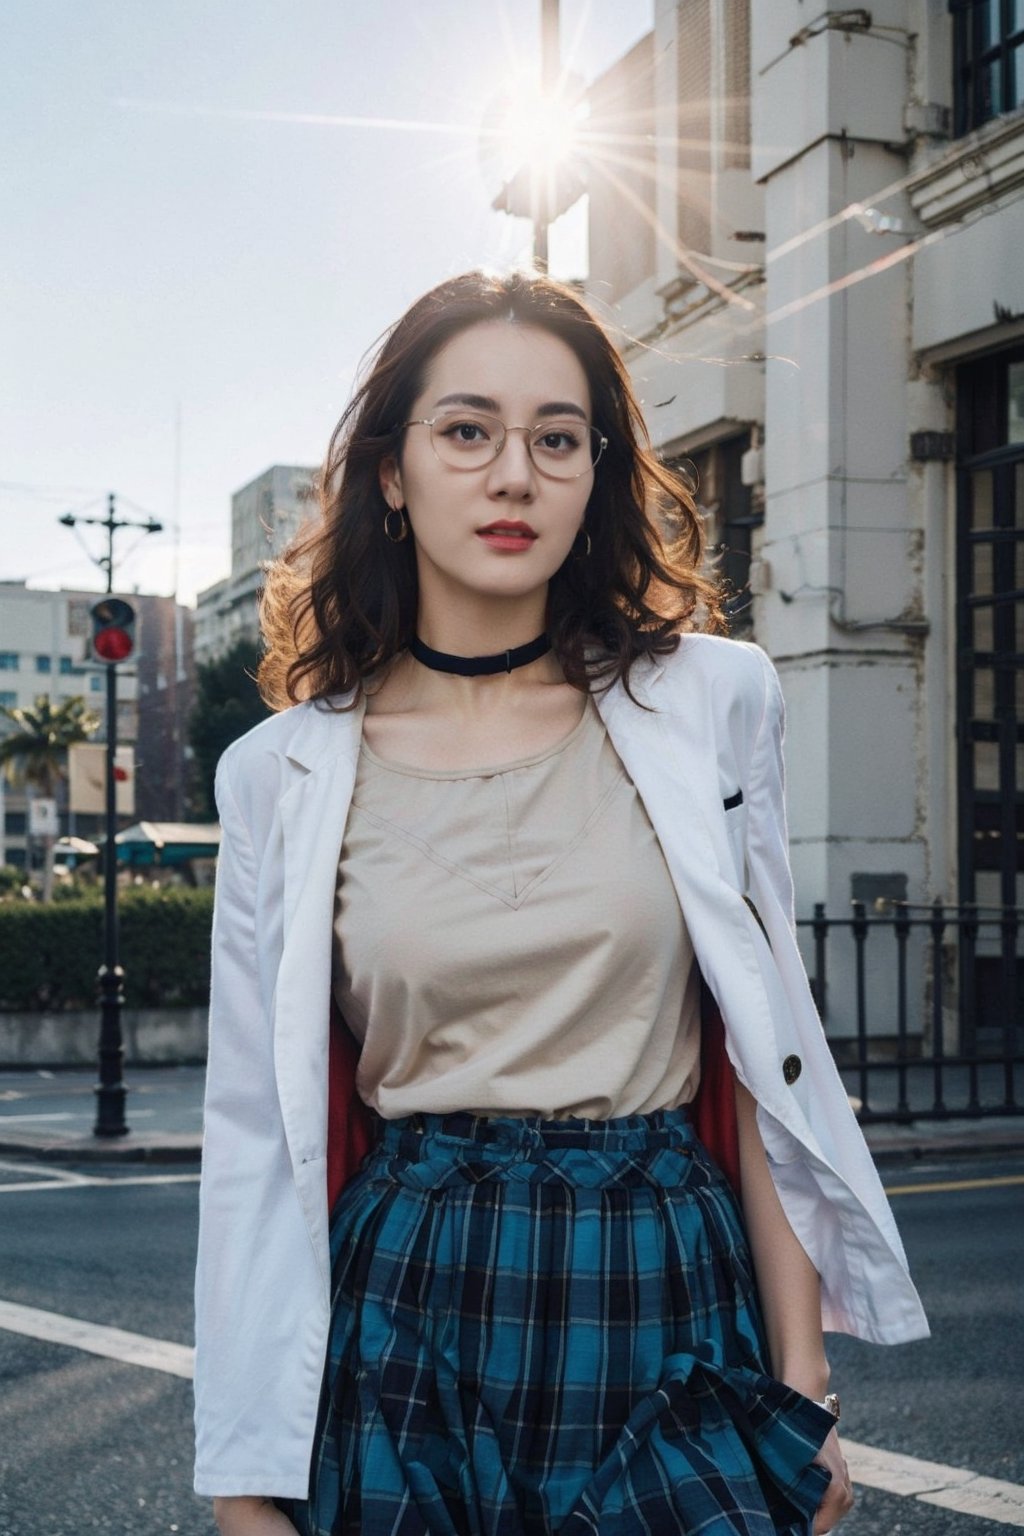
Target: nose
(512,473)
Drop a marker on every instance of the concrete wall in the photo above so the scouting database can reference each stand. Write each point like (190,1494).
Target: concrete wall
(152,1037)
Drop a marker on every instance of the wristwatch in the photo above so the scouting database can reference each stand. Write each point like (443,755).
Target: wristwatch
(830,1404)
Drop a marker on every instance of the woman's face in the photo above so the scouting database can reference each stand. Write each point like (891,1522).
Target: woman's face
(524,376)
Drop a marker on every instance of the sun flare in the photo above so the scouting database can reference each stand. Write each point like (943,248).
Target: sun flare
(537,129)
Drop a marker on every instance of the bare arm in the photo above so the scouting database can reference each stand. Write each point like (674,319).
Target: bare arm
(250,1517)
(790,1292)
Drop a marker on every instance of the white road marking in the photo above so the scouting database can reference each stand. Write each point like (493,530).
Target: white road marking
(986,1497)
(42,1171)
(931,1482)
(64,1114)
(53,1179)
(111,1343)
(21,1119)
(934,1483)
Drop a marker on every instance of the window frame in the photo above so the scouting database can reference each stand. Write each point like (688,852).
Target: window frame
(972,62)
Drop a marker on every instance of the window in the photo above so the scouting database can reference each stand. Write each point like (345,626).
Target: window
(696,121)
(96,682)
(8,700)
(990,669)
(44,664)
(988,60)
(66,666)
(730,516)
(9,661)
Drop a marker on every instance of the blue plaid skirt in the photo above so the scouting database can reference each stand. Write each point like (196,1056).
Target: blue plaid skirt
(545,1326)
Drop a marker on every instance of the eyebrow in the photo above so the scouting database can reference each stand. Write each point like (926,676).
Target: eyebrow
(485,403)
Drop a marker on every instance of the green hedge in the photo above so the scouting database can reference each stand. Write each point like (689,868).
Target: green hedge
(49,955)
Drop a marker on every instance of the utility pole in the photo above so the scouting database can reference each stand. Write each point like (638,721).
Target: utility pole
(113,641)
(542,180)
(550,178)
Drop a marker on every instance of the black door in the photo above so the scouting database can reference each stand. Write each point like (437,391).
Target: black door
(990,683)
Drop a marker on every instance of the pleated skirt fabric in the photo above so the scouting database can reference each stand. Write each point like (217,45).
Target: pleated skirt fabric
(551,1326)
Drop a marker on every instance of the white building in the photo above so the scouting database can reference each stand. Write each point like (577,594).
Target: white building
(817,255)
(265,515)
(44,650)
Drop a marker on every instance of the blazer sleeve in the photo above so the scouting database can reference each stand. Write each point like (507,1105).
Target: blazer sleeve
(245,1333)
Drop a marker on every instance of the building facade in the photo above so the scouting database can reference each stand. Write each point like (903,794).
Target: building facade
(45,650)
(824,311)
(165,665)
(265,515)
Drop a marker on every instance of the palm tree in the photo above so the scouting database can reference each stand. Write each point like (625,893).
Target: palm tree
(36,751)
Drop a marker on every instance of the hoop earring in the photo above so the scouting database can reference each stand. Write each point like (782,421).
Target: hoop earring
(403,525)
(585,552)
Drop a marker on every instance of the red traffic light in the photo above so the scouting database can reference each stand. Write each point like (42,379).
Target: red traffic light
(113,629)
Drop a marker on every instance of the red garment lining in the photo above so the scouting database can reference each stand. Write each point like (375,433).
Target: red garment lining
(350,1122)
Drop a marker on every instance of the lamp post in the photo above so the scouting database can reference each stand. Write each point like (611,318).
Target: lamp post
(113,641)
(542,180)
(548,178)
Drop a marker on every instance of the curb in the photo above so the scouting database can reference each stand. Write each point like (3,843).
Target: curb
(91,1149)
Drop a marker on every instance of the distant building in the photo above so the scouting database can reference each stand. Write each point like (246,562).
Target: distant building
(265,516)
(44,650)
(810,236)
(166,694)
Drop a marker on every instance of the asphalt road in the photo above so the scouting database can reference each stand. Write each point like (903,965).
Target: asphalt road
(89,1443)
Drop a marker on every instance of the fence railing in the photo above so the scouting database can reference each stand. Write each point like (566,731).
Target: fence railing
(923,1006)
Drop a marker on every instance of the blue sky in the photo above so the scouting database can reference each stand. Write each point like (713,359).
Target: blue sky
(177,242)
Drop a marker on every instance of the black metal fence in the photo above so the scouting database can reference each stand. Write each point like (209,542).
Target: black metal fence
(923,1006)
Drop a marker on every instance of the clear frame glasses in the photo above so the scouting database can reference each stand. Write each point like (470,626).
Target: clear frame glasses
(563,448)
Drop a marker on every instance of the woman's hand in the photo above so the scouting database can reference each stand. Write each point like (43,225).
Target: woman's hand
(250,1517)
(838,1500)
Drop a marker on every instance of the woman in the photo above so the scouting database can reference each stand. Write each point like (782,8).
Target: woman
(521,809)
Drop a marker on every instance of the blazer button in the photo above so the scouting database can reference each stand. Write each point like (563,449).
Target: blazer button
(791,1069)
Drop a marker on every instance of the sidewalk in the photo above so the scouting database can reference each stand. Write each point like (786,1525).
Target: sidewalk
(50,1115)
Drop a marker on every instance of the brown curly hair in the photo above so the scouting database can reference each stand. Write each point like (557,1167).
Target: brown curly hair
(341,601)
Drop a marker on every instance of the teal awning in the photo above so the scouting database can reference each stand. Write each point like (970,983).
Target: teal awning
(167,842)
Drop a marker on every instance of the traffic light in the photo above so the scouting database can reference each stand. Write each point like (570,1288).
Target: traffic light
(113,629)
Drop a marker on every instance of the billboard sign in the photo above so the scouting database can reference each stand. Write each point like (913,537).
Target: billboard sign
(87,768)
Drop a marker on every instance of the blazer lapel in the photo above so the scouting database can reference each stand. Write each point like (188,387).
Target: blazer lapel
(660,752)
(324,749)
(313,813)
(650,744)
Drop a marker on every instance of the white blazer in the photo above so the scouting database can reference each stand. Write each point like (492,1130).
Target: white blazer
(713,732)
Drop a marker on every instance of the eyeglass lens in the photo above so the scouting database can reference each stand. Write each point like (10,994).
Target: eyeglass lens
(560,448)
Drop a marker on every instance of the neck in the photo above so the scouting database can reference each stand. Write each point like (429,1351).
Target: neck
(480,626)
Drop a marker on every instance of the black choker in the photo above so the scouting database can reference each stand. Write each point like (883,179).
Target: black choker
(480,666)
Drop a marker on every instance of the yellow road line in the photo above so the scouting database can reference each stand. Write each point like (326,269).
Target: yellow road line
(950,1184)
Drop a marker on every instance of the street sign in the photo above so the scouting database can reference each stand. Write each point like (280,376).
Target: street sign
(42,818)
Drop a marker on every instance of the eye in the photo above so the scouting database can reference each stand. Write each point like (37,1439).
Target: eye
(560,439)
(465,431)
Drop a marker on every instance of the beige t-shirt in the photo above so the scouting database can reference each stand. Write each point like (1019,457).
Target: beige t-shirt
(508,939)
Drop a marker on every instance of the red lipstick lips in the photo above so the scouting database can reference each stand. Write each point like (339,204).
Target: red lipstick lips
(507,534)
